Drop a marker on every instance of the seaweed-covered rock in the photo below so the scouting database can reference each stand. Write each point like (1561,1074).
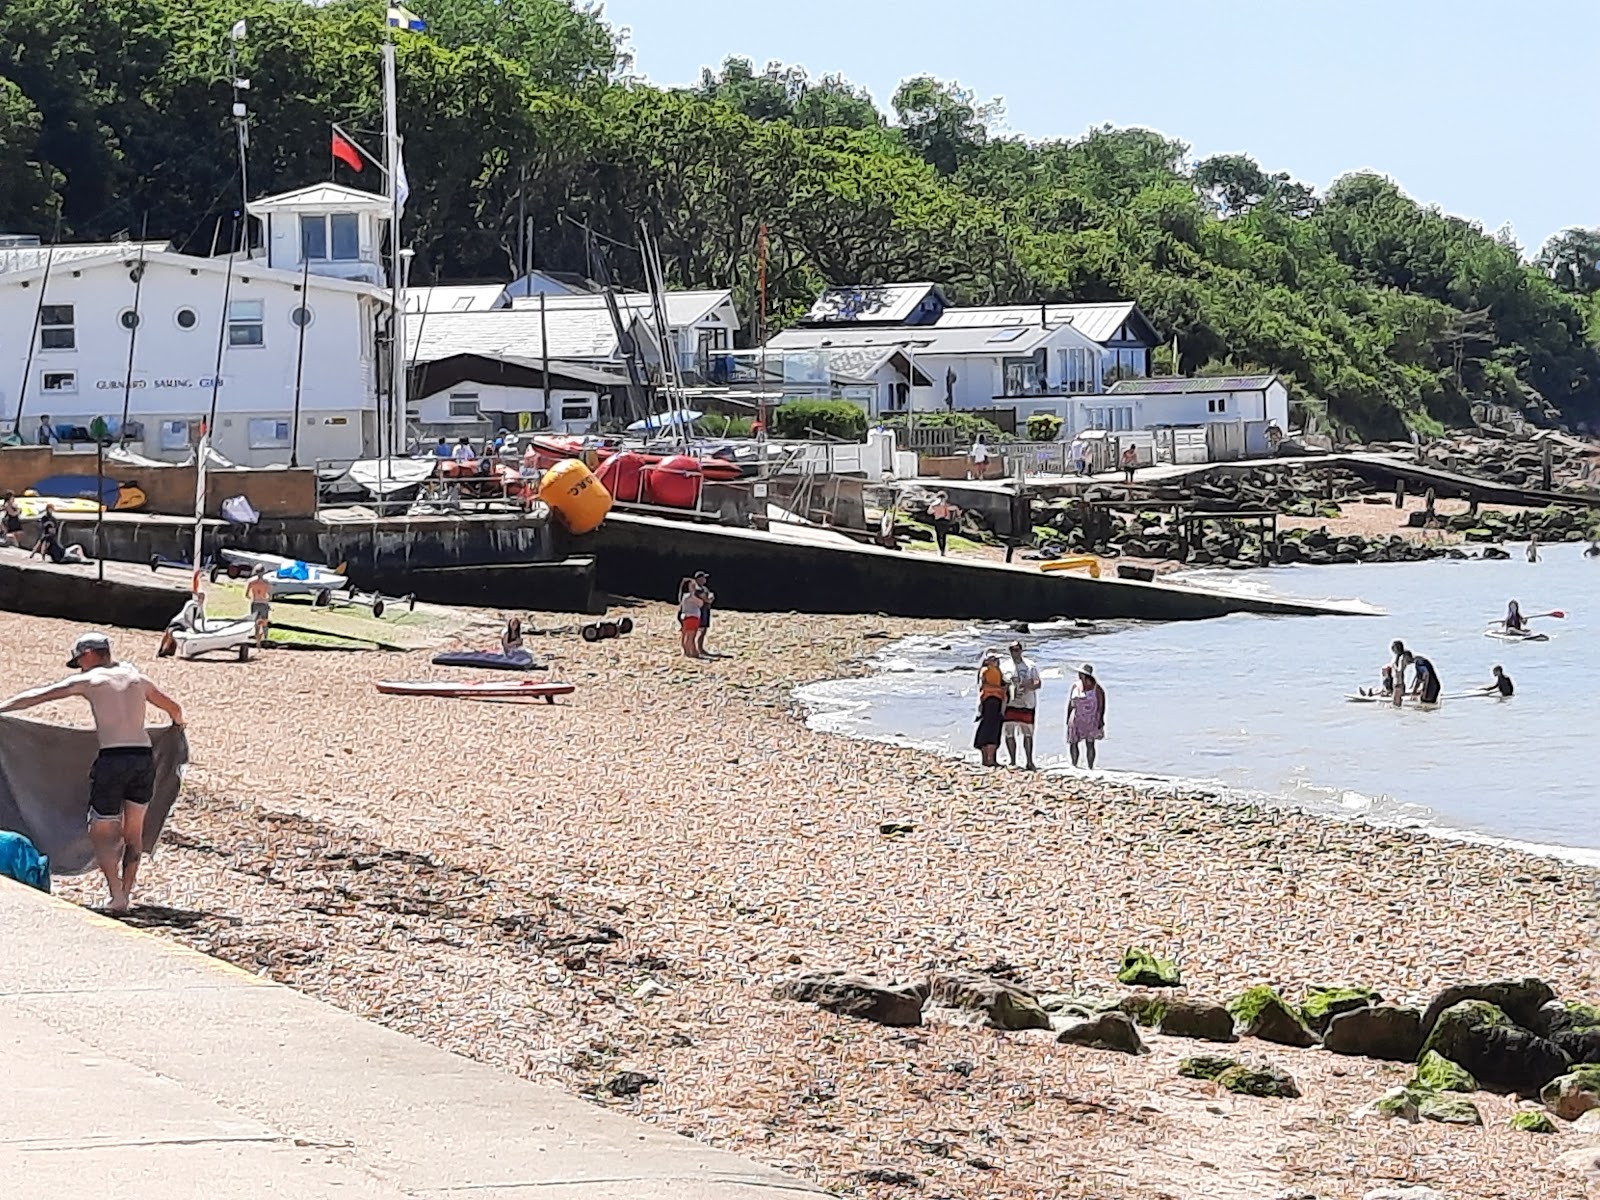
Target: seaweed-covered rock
(1387,1031)
(1448,1109)
(1479,1036)
(1570,1096)
(1262,1013)
(1140,968)
(1197,1019)
(1072,1005)
(1397,1104)
(1574,1026)
(1145,1008)
(1000,1005)
(1531,1120)
(1439,1074)
(1322,1004)
(1108,1031)
(1259,1079)
(1519,999)
(898,1004)
(1205,1066)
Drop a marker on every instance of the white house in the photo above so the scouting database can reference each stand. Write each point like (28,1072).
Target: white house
(702,323)
(1251,403)
(161,338)
(497,361)
(1030,358)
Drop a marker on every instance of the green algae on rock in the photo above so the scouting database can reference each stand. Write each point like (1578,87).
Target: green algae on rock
(1322,1004)
(1206,1066)
(1480,1037)
(1439,1074)
(1260,1079)
(1570,1096)
(1531,1120)
(1448,1109)
(1264,1014)
(1141,968)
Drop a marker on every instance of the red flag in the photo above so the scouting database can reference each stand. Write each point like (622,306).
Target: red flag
(345,151)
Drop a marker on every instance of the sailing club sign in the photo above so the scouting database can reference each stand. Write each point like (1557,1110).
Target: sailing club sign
(115,385)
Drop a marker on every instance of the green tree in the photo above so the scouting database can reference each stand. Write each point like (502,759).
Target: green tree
(942,122)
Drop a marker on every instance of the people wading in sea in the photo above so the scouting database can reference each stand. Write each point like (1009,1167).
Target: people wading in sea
(1022,706)
(1533,548)
(1427,685)
(123,777)
(1502,684)
(1086,715)
(991,708)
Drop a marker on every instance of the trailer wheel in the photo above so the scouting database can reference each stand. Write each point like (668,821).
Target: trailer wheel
(323,599)
(377,607)
(591,633)
(244,652)
(625,626)
(216,571)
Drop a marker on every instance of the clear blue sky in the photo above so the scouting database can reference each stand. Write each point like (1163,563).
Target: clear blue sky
(1488,110)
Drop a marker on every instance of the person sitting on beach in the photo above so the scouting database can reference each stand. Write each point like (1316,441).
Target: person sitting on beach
(1427,685)
(511,637)
(1086,715)
(1502,684)
(49,544)
(991,708)
(441,450)
(688,616)
(463,452)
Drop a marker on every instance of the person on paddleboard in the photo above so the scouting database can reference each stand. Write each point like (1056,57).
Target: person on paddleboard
(1515,622)
(1502,684)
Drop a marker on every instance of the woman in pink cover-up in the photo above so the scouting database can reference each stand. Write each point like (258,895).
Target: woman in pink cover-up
(1086,715)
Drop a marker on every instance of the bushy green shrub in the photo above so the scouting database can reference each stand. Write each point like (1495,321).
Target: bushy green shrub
(1044,427)
(831,418)
(968,424)
(721,425)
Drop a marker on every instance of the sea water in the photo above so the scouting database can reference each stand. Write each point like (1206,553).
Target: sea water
(1257,705)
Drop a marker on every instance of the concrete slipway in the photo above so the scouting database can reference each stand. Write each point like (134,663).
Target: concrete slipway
(140,1069)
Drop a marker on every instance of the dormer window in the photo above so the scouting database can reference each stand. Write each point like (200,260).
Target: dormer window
(336,237)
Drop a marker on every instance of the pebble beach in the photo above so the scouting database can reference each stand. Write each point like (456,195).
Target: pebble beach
(602,893)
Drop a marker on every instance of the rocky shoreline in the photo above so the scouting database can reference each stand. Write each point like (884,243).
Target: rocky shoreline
(604,894)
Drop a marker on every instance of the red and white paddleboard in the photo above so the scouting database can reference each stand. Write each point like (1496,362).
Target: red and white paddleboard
(489,689)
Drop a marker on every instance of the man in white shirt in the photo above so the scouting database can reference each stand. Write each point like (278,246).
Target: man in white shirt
(1022,705)
(1080,456)
(463,452)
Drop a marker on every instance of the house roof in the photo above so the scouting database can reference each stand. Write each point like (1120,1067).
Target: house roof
(460,366)
(868,303)
(1097,322)
(1009,342)
(684,309)
(471,297)
(321,195)
(582,334)
(1172,386)
(33,258)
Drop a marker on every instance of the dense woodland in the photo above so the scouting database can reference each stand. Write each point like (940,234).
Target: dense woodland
(115,118)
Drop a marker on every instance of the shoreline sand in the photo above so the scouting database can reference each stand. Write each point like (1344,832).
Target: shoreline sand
(573,892)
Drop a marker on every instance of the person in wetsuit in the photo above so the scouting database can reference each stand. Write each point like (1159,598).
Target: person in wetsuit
(1502,684)
(1428,685)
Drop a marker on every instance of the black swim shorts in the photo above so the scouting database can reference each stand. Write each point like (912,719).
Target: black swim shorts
(120,775)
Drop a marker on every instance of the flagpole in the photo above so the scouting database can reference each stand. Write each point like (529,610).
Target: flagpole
(397,327)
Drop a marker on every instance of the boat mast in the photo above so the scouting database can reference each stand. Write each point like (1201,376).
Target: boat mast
(390,436)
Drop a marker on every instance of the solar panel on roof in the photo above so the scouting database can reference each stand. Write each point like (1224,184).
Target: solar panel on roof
(1006,335)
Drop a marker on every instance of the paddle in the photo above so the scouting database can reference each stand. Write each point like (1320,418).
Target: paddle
(1557,613)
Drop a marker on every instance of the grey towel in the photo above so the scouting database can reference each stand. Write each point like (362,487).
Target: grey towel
(44,787)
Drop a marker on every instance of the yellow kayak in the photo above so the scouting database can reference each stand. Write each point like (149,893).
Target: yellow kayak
(1080,562)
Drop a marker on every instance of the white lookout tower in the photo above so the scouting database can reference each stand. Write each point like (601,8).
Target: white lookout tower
(327,229)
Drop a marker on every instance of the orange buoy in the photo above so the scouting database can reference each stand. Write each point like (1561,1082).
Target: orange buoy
(572,491)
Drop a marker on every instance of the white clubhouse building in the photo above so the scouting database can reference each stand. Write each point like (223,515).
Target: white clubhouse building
(88,332)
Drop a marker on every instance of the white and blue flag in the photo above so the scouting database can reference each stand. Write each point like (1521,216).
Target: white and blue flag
(401,17)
